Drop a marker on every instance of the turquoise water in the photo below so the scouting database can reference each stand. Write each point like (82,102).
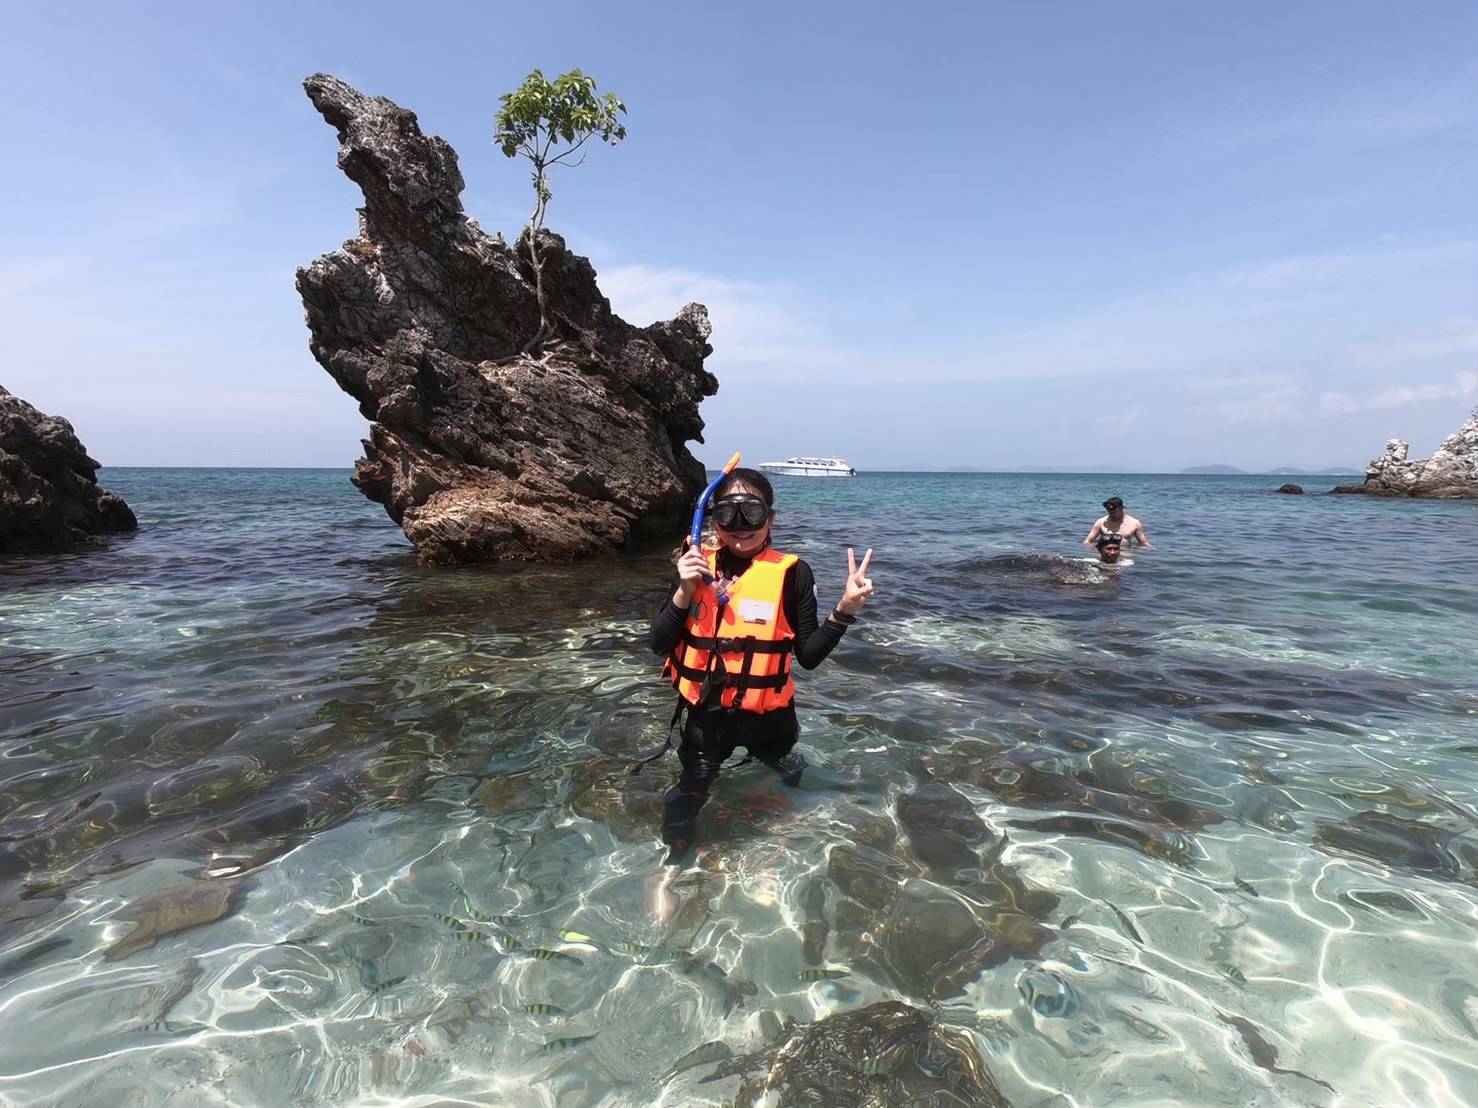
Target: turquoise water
(1200,830)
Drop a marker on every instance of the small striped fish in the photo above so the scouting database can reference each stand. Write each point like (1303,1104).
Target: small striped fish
(556,1046)
(821,974)
(543,1010)
(553,955)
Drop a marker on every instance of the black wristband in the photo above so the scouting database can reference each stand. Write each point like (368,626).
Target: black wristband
(842,617)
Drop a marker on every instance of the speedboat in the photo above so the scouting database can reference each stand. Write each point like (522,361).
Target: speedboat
(810,467)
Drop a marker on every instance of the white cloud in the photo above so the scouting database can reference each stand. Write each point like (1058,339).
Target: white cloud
(1116,422)
(1271,406)
(1231,381)
(756,324)
(1265,325)
(1463,385)
(1455,336)
(1267,319)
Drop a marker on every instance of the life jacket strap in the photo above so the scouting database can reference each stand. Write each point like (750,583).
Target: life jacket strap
(724,679)
(667,743)
(736,646)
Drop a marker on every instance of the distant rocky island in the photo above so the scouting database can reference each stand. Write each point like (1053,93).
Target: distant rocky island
(49,495)
(1451,473)
(479,452)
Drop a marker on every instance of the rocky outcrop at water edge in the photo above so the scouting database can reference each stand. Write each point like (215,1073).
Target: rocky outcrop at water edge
(478,452)
(49,495)
(1451,473)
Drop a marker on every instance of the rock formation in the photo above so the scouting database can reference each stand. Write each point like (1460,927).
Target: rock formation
(480,454)
(1449,474)
(49,495)
(887,1053)
(1290,488)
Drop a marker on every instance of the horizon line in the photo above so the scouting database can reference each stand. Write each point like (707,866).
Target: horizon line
(954,471)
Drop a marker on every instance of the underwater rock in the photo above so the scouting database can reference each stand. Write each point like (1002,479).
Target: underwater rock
(1147,815)
(481,454)
(1291,489)
(867,876)
(885,1054)
(1451,473)
(942,827)
(1404,844)
(630,804)
(169,912)
(159,999)
(865,828)
(933,941)
(514,792)
(1163,844)
(814,928)
(49,495)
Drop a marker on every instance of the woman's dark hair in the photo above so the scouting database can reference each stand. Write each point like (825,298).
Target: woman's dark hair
(751,477)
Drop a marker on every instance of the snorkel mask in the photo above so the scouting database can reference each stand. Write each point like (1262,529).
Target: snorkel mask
(741,513)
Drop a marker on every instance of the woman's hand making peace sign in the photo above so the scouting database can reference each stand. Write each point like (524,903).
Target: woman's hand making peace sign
(859,584)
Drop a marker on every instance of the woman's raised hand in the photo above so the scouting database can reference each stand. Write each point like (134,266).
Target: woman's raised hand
(859,584)
(692,567)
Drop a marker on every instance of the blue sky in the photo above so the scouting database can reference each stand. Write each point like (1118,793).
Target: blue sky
(1149,234)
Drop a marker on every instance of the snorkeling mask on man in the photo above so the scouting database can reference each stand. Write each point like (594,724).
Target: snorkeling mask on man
(1109,538)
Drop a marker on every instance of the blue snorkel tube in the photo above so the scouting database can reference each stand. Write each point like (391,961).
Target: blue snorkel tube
(706,501)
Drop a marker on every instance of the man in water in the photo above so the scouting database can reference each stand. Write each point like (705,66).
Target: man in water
(1119,523)
(1108,547)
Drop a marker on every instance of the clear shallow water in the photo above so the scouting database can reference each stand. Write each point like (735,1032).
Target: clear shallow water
(1200,831)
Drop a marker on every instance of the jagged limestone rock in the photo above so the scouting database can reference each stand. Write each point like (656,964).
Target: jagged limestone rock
(49,495)
(1451,473)
(480,454)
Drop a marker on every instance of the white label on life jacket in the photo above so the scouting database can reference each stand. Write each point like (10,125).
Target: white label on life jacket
(756,611)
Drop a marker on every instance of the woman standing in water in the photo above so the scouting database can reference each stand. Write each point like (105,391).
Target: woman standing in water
(735,618)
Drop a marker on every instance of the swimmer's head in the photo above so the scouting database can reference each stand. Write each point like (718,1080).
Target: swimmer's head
(1109,545)
(1113,504)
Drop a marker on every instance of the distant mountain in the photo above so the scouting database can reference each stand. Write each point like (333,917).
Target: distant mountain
(1214,469)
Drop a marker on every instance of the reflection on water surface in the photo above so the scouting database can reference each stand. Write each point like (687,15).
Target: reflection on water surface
(285,818)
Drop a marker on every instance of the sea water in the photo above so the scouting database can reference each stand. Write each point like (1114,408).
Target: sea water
(285,818)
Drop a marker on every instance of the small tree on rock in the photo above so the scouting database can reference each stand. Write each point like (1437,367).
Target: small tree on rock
(548,123)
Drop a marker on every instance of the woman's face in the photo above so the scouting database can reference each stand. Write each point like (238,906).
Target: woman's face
(744,541)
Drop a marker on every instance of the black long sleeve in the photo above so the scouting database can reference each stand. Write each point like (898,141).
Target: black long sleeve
(813,642)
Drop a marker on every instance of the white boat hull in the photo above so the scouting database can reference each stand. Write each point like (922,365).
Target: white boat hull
(806,470)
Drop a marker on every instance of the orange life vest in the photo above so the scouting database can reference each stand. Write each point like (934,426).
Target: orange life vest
(742,646)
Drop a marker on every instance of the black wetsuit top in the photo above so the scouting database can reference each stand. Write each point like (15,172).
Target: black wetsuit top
(812,644)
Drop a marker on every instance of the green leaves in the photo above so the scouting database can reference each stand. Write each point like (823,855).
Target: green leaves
(568,109)
(533,118)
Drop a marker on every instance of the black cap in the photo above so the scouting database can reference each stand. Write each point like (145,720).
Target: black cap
(1113,502)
